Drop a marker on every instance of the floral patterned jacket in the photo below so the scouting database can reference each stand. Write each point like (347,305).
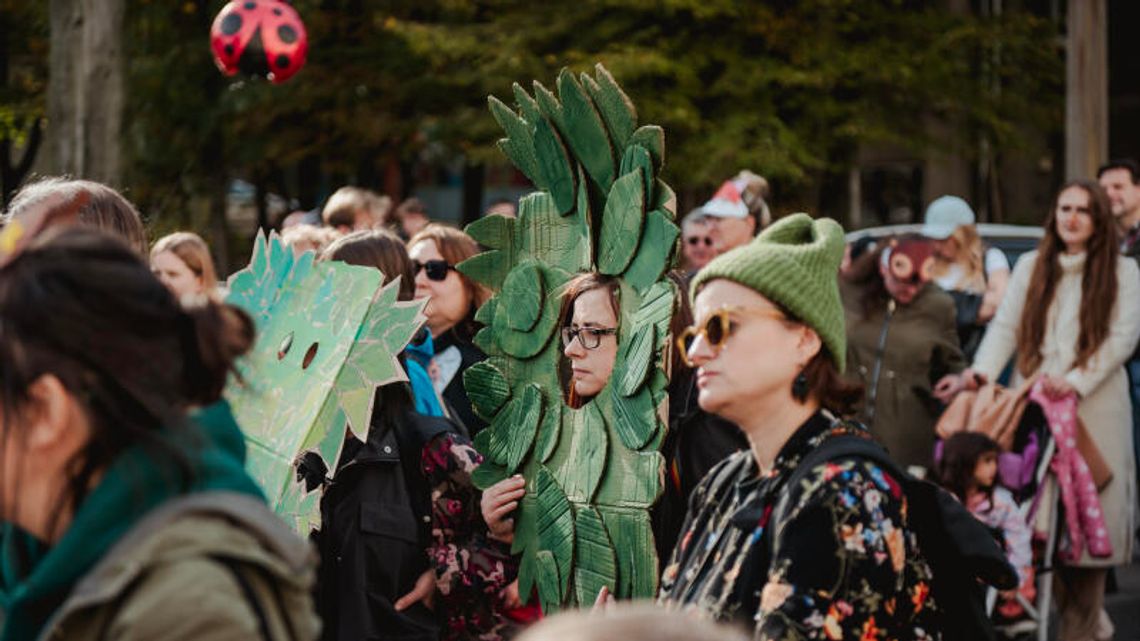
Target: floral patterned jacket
(845,565)
(472,569)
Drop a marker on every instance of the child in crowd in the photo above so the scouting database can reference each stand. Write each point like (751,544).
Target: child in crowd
(969,470)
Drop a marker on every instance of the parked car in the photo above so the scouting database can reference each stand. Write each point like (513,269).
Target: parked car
(1014,240)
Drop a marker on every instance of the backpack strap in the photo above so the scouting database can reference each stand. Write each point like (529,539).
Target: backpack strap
(834,448)
(249,596)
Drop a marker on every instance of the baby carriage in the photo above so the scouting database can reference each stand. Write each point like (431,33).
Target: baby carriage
(1026,467)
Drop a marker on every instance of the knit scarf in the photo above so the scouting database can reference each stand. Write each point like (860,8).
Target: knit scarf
(36,580)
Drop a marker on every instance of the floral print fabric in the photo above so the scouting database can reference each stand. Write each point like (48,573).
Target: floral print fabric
(844,565)
(471,569)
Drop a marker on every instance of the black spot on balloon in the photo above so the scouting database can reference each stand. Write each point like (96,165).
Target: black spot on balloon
(250,6)
(287,34)
(229,50)
(231,24)
(282,61)
(277,11)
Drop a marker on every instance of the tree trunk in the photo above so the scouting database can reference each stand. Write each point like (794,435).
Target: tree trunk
(86,89)
(1086,89)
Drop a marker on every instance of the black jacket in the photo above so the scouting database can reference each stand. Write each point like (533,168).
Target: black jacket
(455,394)
(375,528)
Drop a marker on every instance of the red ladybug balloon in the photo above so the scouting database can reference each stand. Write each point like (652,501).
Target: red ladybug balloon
(259,37)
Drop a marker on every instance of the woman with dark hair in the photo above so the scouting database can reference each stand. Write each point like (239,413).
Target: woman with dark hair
(131,515)
(104,208)
(453,301)
(1071,314)
(901,339)
(769,345)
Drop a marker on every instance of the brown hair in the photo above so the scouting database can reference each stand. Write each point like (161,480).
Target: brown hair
(455,247)
(577,286)
(824,381)
(106,208)
(380,249)
(346,203)
(82,306)
(192,250)
(1098,282)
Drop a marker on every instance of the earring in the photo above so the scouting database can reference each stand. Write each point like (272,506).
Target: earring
(800,388)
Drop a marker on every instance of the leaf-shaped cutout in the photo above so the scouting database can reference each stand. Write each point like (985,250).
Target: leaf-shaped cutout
(527,106)
(581,461)
(519,143)
(487,388)
(521,298)
(634,419)
(655,252)
(594,565)
(585,217)
(522,433)
(548,432)
(488,474)
(525,543)
(485,315)
(496,445)
(548,581)
(652,138)
(555,523)
(616,108)
(485,340)
(635,157)
(549,105)
(585,132)
(635,359)
(665,199)
(489,268)
(634,545)
(495,232)
(621,224)
(554,164)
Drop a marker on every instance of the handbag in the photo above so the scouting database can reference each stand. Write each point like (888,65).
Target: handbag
(992,409)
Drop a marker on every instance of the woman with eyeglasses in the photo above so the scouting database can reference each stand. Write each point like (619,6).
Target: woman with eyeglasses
(902,338)
(769,344)
(452,301)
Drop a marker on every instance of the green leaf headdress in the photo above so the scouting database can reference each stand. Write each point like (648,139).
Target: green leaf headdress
(592,473)
(328,336)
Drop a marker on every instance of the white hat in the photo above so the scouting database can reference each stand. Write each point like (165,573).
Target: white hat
(945,215)
(728,201)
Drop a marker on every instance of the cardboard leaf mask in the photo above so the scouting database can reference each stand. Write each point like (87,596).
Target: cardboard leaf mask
(328,335)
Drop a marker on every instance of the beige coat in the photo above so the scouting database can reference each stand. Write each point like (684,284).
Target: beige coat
(1105,406)
(175,576)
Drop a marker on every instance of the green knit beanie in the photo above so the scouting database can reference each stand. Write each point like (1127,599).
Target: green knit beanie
(794,263)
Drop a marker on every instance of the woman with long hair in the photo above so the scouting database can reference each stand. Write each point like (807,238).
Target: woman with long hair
(453,299)
(1071,316)
(770,346)
(182,262)
(128,513)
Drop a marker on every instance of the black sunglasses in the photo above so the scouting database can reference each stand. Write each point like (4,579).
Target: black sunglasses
(436,269)
(696,240)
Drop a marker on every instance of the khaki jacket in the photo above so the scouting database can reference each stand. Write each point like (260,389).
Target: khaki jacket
(212,565)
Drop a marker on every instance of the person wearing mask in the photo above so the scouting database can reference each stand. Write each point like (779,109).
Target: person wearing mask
(770,346)
(128,509)
(1071,316)
(453,299)
(901,340)
(975,276)
(182,262)
(738,211)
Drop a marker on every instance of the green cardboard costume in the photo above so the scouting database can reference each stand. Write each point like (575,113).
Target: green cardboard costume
(592,473)
(328,334)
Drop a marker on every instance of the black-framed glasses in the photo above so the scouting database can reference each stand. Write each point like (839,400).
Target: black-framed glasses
(588,337)
(694,241)
(718,327)
(436,269)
